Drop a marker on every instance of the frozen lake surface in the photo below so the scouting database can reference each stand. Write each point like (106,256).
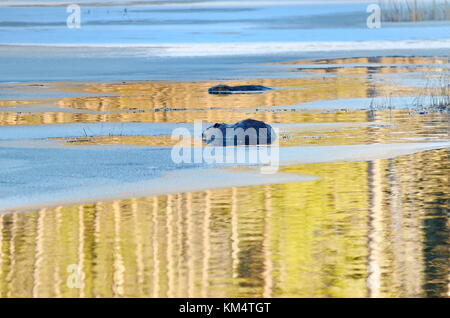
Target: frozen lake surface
(39,175)
(193,39)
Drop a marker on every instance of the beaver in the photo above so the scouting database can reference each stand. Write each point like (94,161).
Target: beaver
(225,89)
(246,132)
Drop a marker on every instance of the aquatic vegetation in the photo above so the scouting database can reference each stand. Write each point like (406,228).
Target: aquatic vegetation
(414,10)
(436,96)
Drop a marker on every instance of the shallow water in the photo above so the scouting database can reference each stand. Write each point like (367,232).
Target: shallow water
(364,228)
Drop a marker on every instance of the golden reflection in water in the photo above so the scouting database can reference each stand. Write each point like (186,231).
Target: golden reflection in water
(153,101)
(187,101)
(375,230)
(364,229)
(374,60)
(16,103)
(388,127)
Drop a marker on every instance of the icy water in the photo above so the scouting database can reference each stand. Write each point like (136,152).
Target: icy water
(91,204)
(360,228)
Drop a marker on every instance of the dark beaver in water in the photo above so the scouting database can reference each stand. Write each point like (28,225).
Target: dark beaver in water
(225,89)
(246,132)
